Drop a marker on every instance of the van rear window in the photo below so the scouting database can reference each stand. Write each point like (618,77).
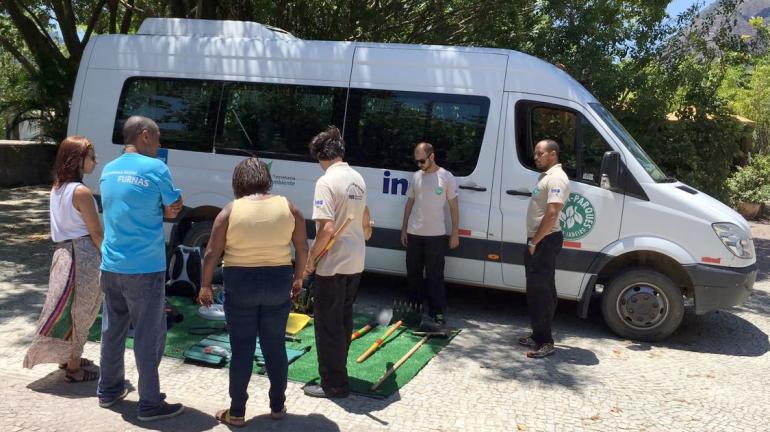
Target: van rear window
(382,127)
(184,109)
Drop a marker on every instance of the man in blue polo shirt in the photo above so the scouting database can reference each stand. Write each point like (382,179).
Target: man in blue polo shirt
(137,193)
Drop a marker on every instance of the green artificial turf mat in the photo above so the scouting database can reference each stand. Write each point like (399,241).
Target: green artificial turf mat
(305,368)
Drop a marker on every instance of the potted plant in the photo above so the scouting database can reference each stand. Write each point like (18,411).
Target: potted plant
(749,186)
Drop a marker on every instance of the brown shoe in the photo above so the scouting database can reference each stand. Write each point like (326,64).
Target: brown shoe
(543,350)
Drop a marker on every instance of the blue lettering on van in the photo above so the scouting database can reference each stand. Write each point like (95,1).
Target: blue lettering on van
(394,185)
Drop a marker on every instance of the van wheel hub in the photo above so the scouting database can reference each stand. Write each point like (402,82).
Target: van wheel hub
(642,306)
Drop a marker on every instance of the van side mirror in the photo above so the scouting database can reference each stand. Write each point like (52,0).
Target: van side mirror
(610,171)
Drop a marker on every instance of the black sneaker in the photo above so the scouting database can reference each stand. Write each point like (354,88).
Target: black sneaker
(317,391)
(106,403)
(435,324)
(543,350)
(166,410)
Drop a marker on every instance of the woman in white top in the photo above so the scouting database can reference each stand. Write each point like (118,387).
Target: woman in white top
(74,297)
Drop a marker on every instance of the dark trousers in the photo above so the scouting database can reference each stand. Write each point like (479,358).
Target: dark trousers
(541,286)
(137,299)
(334,298)
(427,252)
(257,303)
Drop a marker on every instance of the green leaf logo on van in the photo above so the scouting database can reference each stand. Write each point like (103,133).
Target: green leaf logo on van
(577,218)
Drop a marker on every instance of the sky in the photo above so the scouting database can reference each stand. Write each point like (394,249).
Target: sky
(678,6)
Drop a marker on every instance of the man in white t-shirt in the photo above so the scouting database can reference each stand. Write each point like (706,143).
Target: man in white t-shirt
(339,194)
(424,234)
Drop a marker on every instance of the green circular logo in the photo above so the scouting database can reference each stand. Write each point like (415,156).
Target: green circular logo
(439,190)
(577,218)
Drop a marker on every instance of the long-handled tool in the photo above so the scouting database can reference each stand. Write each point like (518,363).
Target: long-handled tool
(363,330)
(332,240)
(402,360)
(398,364)
(383,318)
(303,302)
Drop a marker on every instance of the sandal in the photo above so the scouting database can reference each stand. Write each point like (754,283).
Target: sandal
(85,375)
(224,417)
(84,362)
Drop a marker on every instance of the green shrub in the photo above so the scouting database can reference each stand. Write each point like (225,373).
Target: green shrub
(751,183)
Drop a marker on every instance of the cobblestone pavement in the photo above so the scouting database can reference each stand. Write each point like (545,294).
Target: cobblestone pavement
(713,374)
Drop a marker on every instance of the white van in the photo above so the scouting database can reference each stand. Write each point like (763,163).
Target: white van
(223,90)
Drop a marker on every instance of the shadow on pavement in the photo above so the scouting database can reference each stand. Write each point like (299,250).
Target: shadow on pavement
(719,332)
(54,384)
(292,422)
(365,405)
(191,420)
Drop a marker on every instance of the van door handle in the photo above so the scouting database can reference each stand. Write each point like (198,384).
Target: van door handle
(473,188)
(519,193)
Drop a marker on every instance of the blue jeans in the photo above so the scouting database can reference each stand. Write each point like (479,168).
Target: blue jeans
(137,299)
(257,303)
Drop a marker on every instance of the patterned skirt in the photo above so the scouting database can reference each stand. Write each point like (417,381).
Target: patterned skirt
(71,305)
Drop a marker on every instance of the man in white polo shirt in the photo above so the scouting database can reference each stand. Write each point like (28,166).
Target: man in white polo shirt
(544,242)
(423,233)
(339,194)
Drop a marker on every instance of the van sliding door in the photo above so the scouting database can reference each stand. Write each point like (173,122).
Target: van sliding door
(400,96)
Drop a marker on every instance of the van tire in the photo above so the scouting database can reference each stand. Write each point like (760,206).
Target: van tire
(658,300)
(198,234)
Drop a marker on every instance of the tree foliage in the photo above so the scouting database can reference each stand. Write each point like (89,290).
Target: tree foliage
(639,62)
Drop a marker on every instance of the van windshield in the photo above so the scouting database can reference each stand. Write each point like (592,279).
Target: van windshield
(630,143)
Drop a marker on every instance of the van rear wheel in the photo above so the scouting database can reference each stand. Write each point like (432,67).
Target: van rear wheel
(198,234)
(642,305)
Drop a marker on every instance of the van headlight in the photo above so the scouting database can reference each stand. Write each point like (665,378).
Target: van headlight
(735,239)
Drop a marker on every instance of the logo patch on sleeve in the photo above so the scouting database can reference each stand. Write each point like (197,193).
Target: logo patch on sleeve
(555,190)
(318,203)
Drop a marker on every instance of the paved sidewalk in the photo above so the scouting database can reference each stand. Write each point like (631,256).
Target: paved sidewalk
(713,374)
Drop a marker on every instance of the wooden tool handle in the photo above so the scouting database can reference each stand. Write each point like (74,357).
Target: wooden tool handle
(398,364)
(358,333)
(379,342)
(331,241)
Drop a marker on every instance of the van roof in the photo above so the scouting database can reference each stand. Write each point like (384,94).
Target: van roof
(199,42)
(201,27)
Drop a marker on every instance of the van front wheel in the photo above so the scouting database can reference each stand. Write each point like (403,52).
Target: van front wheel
(198,234)
(642,305)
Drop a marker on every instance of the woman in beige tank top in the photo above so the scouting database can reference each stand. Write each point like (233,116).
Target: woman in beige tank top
(255,233)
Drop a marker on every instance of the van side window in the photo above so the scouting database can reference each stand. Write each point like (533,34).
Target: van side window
(276,121)
(184,109)
(582,147)
(382,127)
